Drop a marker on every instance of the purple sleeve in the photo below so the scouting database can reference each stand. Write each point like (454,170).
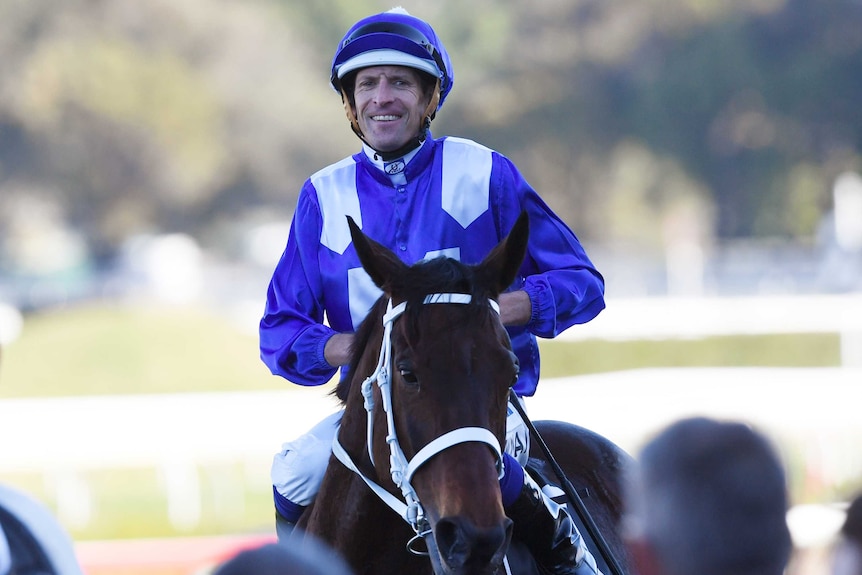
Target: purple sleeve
(292,333)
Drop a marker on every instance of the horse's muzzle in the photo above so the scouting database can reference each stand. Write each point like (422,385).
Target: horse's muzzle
(457,547)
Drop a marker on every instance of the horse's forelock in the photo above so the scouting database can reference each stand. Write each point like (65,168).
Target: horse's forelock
(439,275)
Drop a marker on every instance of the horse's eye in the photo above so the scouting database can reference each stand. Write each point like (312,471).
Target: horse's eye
(516,364)
(408,376)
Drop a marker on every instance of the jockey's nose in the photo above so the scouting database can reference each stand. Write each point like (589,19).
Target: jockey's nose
(384,91)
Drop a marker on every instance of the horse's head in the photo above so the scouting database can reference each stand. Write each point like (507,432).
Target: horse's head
(450,367)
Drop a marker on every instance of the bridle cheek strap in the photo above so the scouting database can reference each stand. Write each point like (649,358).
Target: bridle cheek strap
(402,471)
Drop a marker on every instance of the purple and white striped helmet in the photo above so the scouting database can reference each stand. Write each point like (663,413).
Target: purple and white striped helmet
(393,38)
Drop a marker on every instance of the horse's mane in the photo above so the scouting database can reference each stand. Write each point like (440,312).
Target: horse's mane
(438,275)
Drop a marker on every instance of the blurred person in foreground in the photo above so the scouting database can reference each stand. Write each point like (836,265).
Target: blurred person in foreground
(308,557)
(707,498)
(847,553)
(5,554)
(32,541)
(421,197)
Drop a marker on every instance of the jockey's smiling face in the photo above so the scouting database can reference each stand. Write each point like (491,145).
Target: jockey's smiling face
(389,103)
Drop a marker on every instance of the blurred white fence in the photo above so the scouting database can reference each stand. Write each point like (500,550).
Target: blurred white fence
(103,432)
(695,317)
(63,438)
(811,409)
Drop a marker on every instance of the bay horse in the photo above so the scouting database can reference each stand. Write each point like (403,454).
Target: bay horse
(413,482)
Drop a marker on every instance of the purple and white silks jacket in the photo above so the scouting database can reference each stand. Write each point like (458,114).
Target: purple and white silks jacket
(455,198)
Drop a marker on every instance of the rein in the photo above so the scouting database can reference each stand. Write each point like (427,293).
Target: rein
(401,469)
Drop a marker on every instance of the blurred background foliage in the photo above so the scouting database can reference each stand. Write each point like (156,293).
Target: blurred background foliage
(119,118)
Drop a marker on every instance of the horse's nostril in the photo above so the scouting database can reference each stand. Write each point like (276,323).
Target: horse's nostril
(508,526)
(463,545)
(450,540)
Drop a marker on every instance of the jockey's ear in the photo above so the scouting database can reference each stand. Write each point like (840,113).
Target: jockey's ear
(500,267)
(381,264)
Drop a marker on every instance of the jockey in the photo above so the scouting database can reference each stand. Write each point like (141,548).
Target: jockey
(420,197)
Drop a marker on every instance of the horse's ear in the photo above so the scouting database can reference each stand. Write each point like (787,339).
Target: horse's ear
(501,266)
(378,261)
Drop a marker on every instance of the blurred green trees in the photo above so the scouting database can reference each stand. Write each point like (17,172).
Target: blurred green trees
(631,118)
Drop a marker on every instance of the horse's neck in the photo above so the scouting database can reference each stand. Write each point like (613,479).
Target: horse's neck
(342,489)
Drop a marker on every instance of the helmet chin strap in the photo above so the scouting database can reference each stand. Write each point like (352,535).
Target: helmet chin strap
(413,143)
